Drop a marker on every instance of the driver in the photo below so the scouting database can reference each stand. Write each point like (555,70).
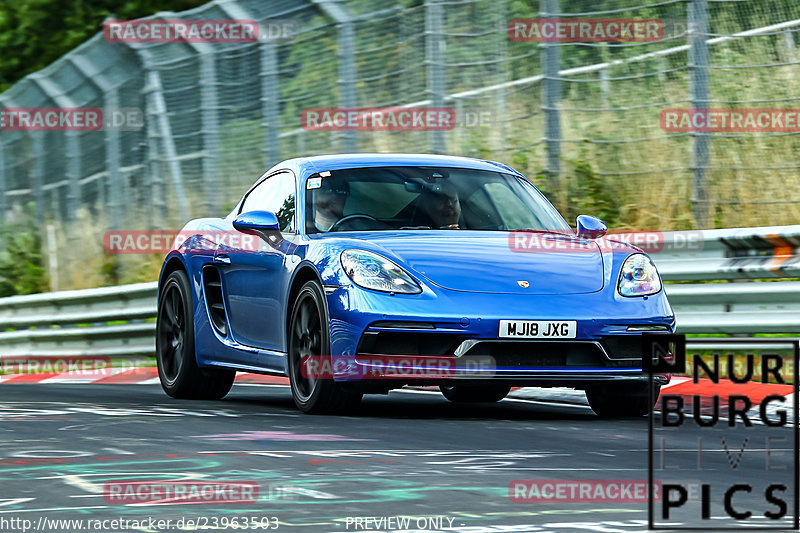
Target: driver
(329,202)
(438,207)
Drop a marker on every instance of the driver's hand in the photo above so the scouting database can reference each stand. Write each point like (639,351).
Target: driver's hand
(450,226)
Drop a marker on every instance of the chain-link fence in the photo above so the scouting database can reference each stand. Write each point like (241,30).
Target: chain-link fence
(584,119)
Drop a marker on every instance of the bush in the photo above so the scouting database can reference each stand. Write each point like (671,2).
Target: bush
(22,268)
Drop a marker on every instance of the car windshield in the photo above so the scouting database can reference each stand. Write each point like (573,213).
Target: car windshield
(404,198)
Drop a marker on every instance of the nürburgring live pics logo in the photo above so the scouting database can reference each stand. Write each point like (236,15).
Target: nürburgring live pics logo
(736,474)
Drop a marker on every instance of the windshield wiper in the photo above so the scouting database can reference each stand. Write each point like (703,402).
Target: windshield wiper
(416,227)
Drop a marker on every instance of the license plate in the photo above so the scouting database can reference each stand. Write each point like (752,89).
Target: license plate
(538,329)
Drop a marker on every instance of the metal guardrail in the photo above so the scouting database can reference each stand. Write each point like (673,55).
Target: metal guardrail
(109,321)
(728,254)
(737,308)
(119,321)
(735,256)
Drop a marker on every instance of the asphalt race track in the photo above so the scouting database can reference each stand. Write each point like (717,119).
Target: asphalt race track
(409,454)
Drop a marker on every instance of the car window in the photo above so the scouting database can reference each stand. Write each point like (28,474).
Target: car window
(512,209)
(275,194)
(387,198)
(379,200)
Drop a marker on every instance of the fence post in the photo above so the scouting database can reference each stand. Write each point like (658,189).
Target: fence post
(37,173)
(347,65)
(698,87)
(501,120)
(159,107)
(73,175)
(72,155)
(458,103)
(155,181)
(347,75)
(3,206)
(209,100)
(788,45)
(116,202)
(434,59)
(270,113)
(605,84)
(52,256)
(551,95)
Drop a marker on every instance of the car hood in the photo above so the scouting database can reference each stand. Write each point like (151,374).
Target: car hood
(478,261)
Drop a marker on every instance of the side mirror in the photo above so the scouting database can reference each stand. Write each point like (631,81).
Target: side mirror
(590,227)
(261,223)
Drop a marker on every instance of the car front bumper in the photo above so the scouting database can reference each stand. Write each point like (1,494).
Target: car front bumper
(397,338)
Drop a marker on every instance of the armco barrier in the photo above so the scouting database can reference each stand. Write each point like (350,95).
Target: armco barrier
(84,322)
(729,254)
(735,256)
(118,321)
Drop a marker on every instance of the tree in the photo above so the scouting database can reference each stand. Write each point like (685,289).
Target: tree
(34,33)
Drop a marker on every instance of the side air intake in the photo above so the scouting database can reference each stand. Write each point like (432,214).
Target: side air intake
(213,291)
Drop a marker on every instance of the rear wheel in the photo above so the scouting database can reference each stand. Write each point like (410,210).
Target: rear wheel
(308,338)
(621,400)
(475,393)
(175,356)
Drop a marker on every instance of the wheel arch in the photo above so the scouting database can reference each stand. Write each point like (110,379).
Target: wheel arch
(171,264)
(304,273)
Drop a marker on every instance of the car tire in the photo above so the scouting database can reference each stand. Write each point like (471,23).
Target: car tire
(475,393)
(178,371)
(621,400)
(308,336)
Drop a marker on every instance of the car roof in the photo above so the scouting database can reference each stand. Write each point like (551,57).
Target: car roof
(321,163)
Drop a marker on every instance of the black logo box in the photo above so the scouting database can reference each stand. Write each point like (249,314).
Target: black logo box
(666,353)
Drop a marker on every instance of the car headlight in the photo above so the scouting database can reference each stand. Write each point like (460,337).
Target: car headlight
(638,277)
(372,271)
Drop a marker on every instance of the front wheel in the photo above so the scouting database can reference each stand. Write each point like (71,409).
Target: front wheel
(475,393)
(308,340)
(621,400)
(178,371)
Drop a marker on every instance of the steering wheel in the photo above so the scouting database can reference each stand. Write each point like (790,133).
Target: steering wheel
(351,217)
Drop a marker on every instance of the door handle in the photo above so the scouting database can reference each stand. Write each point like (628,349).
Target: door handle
(222,259)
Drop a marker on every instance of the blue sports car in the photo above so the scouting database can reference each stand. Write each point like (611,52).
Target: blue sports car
(357,274)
